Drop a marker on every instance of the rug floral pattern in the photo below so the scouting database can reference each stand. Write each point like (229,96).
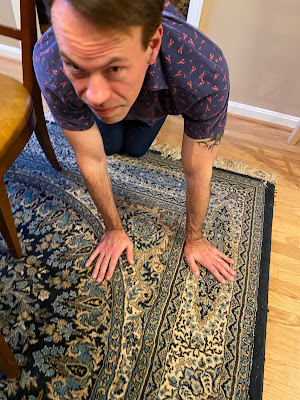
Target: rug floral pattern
(154,331)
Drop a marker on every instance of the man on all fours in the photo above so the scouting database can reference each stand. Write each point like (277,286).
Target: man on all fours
(111,71)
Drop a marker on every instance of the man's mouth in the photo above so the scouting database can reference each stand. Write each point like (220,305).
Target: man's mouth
(104,111)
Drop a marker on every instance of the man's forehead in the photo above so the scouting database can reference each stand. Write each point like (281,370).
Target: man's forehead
(98,54)
(88,46)
(64,14)
(92,42)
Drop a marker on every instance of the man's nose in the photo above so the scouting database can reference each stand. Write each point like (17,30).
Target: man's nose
(98,90)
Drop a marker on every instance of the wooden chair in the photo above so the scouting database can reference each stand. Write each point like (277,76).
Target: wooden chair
(295,135)
(8,364)
(21,113)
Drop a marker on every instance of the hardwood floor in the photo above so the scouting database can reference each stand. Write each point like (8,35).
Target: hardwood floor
(263,145)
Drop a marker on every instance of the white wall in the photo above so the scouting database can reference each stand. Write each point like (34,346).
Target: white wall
(7,17)
(16,9)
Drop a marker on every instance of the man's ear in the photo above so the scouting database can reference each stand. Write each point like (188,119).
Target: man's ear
(154,45)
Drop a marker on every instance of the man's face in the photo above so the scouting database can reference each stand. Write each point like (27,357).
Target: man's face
(107,68)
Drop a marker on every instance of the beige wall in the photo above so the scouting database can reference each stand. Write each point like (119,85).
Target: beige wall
(261,42)
(7,18)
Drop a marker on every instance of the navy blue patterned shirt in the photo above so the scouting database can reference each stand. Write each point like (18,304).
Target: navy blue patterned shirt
(189,78)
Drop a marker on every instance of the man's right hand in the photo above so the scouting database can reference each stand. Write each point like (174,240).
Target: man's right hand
(91,159)
(108,251)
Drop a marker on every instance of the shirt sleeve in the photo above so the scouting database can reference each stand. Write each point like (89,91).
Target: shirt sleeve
(68,112)
(67,109)
(198,77)
(207,117)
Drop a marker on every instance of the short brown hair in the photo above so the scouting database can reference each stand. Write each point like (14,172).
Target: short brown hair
(122,14)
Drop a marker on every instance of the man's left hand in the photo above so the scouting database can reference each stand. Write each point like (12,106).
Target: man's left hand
(201,251)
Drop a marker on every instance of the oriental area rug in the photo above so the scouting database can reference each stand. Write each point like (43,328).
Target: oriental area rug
(154,331)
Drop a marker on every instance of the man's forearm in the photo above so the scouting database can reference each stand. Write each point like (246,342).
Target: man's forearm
(197,160)
(197,199)
(91,159)
(99,186)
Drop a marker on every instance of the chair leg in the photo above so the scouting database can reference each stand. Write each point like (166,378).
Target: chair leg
(7,225)
(8,363)
(41,128)
(295,135)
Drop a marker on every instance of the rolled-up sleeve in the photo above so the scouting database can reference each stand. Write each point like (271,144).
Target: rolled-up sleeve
(206,117)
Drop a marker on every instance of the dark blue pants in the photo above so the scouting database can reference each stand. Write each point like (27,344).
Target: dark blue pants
(131,137)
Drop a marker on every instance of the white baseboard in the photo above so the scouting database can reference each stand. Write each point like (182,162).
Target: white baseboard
(263,114)
(13,53)
(234,108)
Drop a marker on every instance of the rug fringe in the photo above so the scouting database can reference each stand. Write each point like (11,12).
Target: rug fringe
(223,163)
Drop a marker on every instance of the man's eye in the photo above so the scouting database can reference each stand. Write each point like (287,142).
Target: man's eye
(115,69)
(73,67)
(75,71)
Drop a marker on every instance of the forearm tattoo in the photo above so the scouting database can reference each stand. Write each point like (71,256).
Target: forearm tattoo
(212,142)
